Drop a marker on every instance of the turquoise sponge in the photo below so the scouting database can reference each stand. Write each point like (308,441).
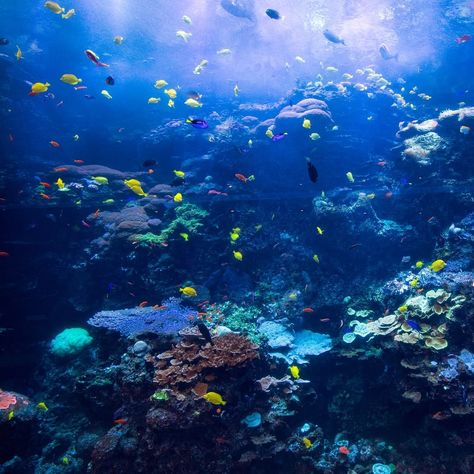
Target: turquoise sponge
(70,342)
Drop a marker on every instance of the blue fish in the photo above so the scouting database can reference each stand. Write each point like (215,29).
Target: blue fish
(273,14)
(278,136)
(332,37)
(413,324)
(197,123)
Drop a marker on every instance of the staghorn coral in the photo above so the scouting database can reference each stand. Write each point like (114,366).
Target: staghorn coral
(185,362)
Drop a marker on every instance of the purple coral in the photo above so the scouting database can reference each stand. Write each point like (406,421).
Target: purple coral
(127,322)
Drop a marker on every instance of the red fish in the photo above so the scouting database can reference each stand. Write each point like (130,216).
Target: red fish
(463,39)
(54,144)
(241,177)
(79,162)
(120,421)
(60,168)
(45,184)
(143,304)
(308,310)
(94,58)
(45,196)
(344,450)
(4,254)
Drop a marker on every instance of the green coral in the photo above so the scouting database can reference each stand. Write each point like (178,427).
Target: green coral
(160,395)
(188,217)
(242,319)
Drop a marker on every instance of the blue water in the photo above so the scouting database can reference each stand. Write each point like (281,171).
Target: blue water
(392,147)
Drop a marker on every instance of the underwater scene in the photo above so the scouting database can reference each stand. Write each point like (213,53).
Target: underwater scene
(237,236)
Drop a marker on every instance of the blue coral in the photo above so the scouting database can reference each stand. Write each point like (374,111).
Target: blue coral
(128,322)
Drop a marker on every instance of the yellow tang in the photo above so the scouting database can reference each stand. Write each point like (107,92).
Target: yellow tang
(295,371)
(192,103)
(184,236)
(403,308)
(306,123)
(214,398)
(350,177)
(42,406)
(179,174)
(307,443)
(153,100)
(54,7)
(316,258)
(171,93)
(18,53)
(100,179)
(314,136)
(171,104)
(178,197)
(39,87)
(269,133)
(135,186)
(414,283)
(11,414)
(60,183)
(188,291)
(419,264)
(320,231)
(160,83)
(437,265)
(69,14)
(70,79)
(238,255)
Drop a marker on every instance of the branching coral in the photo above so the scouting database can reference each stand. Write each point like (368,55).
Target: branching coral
(188,217)
(186,362)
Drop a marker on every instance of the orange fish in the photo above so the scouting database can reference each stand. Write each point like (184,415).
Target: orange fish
(143,304)
(344,450)
(4,254)
(120,421)
(45,184)
(54,144)
(308,310)
(159,308)
(60,168)
(96,213)
(79,162)
(150,171)
(45,196)
(241,177)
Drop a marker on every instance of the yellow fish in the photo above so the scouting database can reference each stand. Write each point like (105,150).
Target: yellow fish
(370,196)
(320,231)
(69,14)
(65,460)
(307,443)
(18,53)
(350,177)
(160,83)
(314,136)
(238,255)
(295,371)
(153,100)
(188,291)
(118,39)
(192,103)
(184,236)
(269,133)
(214,398)
(11,414)
(106,94)
(183,35)
(179,174)
(60,183)
(171,93)
(414,283)
(171,103)
(236,90)
(403,308)
(42,406)
(100,179)
(70,79)
(187,20)
(437,265)
(234,236)
(306,123)
(39,87)
(54,7)
(419,264)
(316,258)
(108,201)
(135,186)
(178,197)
